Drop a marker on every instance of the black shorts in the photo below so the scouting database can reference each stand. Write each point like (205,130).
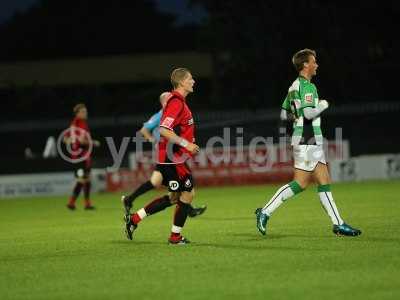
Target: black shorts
(178,178)
(82,170)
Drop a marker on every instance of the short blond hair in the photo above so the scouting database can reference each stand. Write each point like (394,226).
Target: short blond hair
(178,75)
(301,57)
(78,107)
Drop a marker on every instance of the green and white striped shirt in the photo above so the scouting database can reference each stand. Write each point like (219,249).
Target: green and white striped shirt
(302,93)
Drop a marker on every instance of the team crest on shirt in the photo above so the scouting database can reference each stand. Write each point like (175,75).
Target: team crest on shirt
(188,183)
(308,98)
(168,122)
(190,122)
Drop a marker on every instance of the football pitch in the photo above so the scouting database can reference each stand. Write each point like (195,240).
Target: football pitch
(49,252)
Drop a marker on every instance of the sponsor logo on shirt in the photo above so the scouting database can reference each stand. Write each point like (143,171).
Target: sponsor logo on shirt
(173,185)
(308,98)
(168,121)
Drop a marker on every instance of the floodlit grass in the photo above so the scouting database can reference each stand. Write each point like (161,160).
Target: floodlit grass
(48,252)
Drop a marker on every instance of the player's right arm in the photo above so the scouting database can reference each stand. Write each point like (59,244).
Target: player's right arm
(286,111)
(69,135)
(67,140)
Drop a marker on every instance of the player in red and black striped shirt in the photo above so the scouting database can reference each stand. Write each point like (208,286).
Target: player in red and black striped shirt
(176,146)
(80,142)
(150,131)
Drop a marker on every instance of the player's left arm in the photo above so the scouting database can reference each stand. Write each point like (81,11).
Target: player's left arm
(171,136)
(311,113)
(87,140)
(312,107)
(169,120)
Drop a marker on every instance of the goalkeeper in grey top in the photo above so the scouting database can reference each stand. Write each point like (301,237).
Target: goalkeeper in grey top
(303,106)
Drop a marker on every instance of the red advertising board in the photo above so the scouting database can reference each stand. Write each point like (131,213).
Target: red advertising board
(224,166)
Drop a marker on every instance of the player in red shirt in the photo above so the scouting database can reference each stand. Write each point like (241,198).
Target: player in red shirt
(80,143)
(175,147)
(151,132)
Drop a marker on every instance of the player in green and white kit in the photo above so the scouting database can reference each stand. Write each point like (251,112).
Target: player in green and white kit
(303,106)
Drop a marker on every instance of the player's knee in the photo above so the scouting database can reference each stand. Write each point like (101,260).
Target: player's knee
(324,179)
(187,197)
(322,174)
(327,177)
(82,180)
(303,183)
(174,197)
(156,179)
(155,182)
(303,178)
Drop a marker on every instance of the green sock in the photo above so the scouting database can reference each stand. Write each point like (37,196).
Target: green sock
(324,188)
(281,195)
(295,187)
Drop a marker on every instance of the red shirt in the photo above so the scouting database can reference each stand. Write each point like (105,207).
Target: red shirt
(79,131)
(177,117)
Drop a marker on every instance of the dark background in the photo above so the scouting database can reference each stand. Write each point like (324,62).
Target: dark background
(250,44)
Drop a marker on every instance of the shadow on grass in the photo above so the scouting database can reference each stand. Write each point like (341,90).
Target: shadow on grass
(329,236)
(258,243)
(226,219)
(278,236)
(137,242)
(364,238)
(255,247)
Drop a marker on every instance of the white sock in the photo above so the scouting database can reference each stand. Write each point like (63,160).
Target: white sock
(280,196)
(141,213)
(176,229)
(330,207)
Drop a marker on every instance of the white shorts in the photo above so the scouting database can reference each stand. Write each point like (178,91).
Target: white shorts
(306,157)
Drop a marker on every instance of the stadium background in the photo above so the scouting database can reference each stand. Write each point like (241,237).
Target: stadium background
(116,57)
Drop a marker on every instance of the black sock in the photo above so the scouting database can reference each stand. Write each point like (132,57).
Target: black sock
(181,213)
(145,187)
(77,190)
(86,190)
(157,205)
(190,209)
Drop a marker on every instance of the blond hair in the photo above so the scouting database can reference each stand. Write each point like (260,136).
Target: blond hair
(301,57)
(178,75)
(78,107)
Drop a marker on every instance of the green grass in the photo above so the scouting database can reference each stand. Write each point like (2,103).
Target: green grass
(48,252)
